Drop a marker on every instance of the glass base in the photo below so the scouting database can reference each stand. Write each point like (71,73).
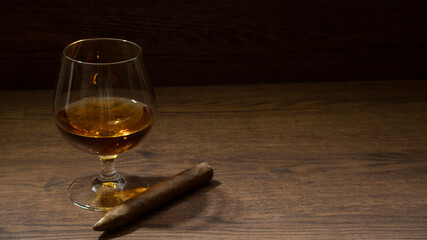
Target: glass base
(89,193)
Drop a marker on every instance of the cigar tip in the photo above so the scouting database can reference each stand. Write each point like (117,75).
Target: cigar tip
(98,225)
(205,164)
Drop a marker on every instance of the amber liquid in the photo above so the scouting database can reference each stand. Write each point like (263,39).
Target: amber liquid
(105,126)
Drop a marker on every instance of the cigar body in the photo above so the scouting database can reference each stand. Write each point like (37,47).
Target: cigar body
(154,197)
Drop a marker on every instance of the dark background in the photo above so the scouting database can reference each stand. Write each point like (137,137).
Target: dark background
(223,42)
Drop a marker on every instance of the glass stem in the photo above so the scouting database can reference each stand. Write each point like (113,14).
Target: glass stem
(108,171)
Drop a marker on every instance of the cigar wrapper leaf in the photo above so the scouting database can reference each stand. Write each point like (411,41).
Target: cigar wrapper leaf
(154,197)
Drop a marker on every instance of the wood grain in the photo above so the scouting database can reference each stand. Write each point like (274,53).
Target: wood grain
(222,42)
(328,160)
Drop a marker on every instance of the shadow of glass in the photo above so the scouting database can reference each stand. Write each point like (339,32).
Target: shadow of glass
(176,212)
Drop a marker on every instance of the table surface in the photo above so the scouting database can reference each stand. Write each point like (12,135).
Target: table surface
(332,160)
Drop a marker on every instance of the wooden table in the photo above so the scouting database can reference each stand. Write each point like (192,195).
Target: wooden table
(334,160)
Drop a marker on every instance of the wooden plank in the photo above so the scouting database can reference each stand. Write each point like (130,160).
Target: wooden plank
(296,161)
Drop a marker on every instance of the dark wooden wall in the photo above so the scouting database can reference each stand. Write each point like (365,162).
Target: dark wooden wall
(223,42)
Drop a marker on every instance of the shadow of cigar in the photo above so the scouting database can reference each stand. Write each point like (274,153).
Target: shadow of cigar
(197,198)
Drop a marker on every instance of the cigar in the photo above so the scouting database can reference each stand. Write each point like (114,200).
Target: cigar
(154,197)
